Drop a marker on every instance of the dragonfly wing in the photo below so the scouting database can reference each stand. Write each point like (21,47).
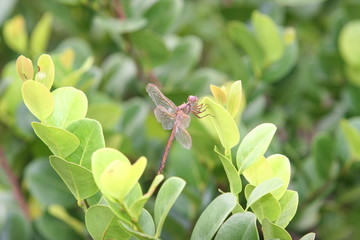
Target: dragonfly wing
(183,137)
(159,99)
(183,119)
(164,117)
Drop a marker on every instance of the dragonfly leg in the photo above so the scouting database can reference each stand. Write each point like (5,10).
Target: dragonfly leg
(200,108)
(198,116)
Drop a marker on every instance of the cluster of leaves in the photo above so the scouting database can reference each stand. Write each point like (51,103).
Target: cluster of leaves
(304,79)
(85,165)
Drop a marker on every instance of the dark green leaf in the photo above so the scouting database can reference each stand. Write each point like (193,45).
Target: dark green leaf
(46,186)
(239,226)
(213,216)
(165,199)
(91,137)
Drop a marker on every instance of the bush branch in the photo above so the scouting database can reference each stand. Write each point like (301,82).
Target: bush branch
(14,184)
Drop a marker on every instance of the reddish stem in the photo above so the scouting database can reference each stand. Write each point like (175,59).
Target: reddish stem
(14,184)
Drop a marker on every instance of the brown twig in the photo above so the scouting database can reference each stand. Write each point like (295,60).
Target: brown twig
(14,184)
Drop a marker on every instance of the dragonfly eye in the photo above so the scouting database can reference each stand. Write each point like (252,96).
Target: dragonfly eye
(192,99)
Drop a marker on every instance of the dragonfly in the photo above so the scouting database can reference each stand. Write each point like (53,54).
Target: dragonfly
(175,118)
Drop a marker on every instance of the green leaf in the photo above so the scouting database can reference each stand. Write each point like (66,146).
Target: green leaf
(234,98)
(289,203)
(353,74)
(61,142)
(135,193)
(53,228)
(224,124)
(231,173)
(254,145)
(272,231)
(147,225)
(46,72)
(282,66)
(118,71)
(70,105)
(38,99)
(281,168)
(213,216)
(309,236)
(108,114)
(146,222)
(348,43)
(101,158)
(139,235)
(242,37)
(103,224)
(262,189)
(14,224)
(46,186)
(240,226)
(25,68)
(268,36)
(91,137)
(185,54)
(266,207)
(258,172)
(15,35)
(40,36)
(150,47)
(116,26)
(352,137)
(78,179)
(73,78)
(119,177)
(165,199)
(137,205)
(162,14)
(323,148)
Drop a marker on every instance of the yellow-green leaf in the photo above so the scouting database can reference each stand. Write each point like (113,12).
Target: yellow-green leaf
(24,68)
(101,158)
(15,34)
(239,33)
(61,142)
(231,173)
(40,35)
(218,94)
(258,172)
(70,105)
(268,36)
(73,78)
(67,58)
(280,166)
(38,99)
(120,177)
(273,231)
(352,137)
(223,123)
(138,205)
(46,72)
(349,43)
(254,145)
(234,98)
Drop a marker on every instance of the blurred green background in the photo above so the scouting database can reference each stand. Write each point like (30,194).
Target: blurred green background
(299,62)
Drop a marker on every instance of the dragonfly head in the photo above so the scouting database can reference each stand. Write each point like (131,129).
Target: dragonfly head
(192,100)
